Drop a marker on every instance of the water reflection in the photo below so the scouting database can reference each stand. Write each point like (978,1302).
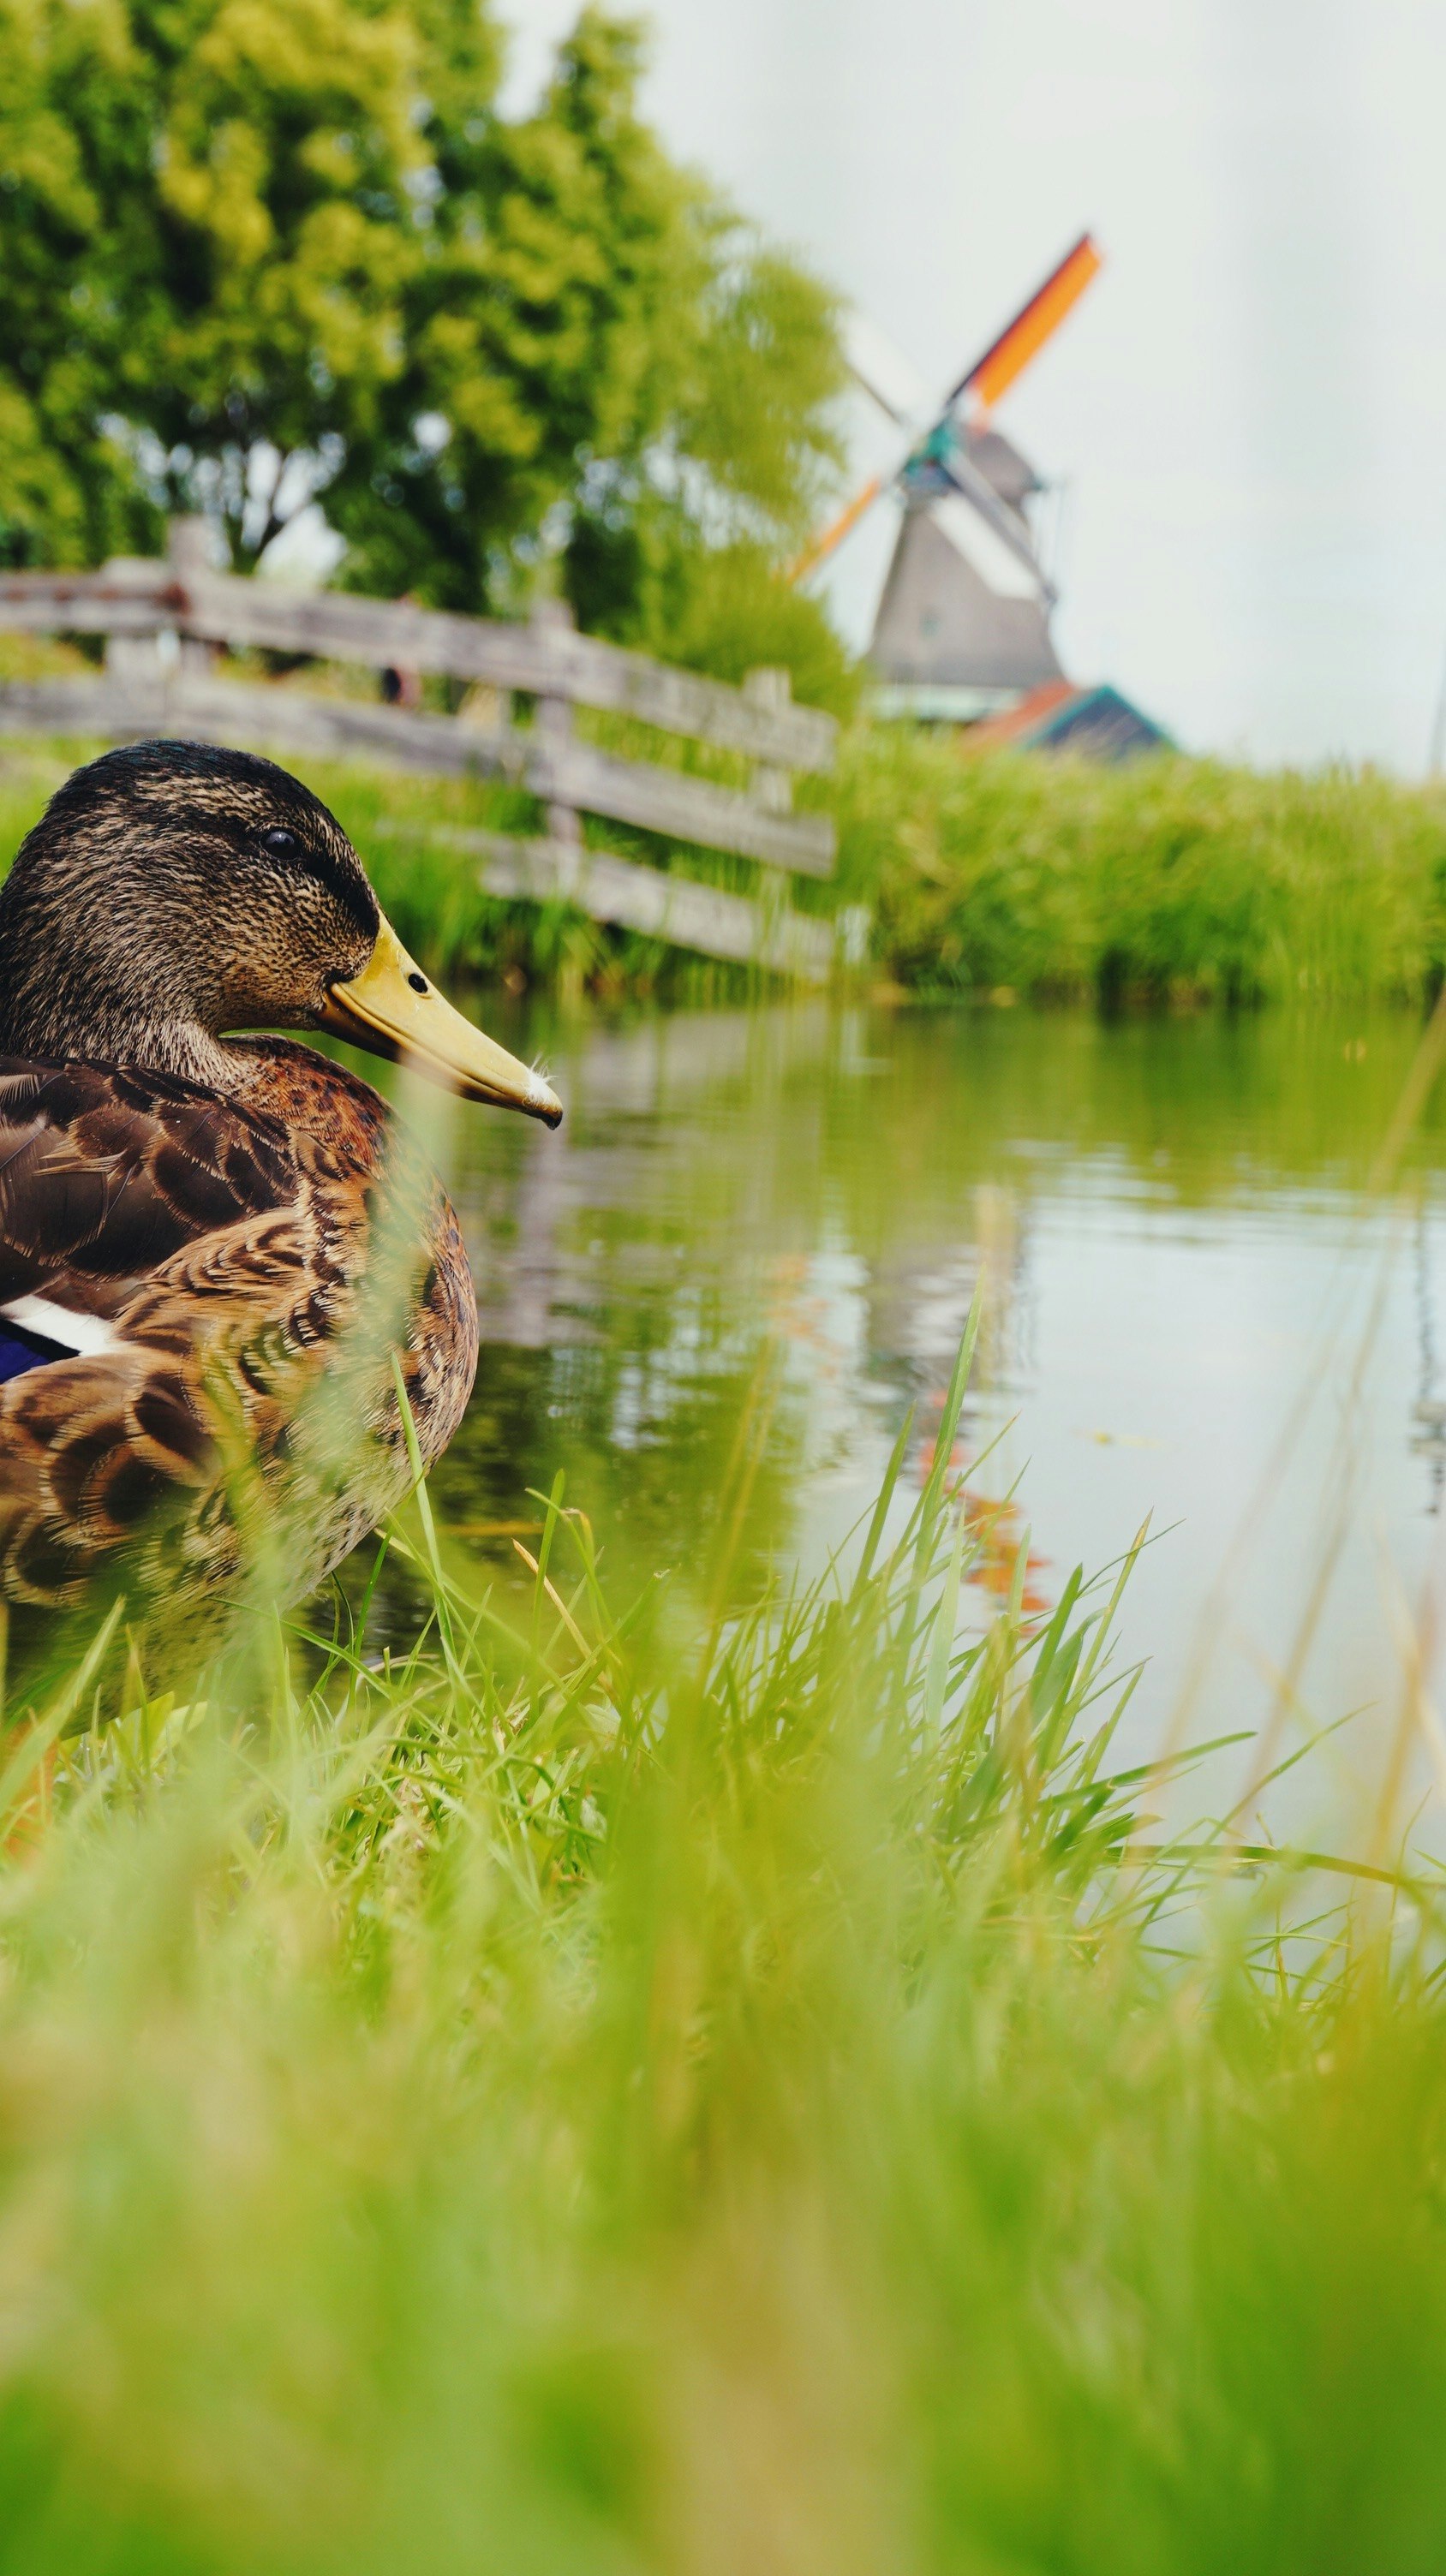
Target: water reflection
(1170,1223)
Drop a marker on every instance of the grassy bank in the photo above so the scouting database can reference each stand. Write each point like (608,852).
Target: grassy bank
(640,2095)
(1171,880)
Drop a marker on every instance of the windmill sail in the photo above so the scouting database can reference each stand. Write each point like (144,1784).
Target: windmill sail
(1036,321)
(929,431)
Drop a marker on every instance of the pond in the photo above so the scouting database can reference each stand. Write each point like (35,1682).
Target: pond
(758,1234)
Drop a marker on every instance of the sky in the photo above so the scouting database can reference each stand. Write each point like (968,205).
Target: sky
(1246,415)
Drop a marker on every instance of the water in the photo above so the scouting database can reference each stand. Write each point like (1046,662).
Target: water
(1194,1315)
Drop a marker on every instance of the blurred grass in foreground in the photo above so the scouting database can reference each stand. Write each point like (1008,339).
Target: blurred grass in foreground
(1168,880)
(664,2093)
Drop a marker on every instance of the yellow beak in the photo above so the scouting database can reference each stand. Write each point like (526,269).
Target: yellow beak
(395,1010)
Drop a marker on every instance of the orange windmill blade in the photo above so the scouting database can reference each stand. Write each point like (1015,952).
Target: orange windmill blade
(1006,357)
(819,548)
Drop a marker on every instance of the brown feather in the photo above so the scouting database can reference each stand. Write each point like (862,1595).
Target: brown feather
(257,1257)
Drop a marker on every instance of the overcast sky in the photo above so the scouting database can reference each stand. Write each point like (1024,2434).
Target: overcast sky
(1248,409)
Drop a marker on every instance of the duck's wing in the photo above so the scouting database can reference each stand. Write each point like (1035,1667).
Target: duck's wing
(105,1175)
(134,1211)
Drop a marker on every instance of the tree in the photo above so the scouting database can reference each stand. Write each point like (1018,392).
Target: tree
(605,364)
(255,250)
(560,254)
(207,213)
(68,125)
(678,544)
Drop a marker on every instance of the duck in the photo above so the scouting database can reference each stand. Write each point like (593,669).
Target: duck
(236,1314)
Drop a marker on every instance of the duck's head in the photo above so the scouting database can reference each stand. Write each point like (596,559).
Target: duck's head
(171,893)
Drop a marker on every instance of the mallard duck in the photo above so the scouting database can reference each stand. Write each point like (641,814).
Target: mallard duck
(220,1257)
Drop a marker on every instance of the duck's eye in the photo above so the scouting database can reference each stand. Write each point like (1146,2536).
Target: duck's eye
(281,843)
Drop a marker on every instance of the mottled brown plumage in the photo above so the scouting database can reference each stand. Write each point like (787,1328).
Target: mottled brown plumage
(212,1244)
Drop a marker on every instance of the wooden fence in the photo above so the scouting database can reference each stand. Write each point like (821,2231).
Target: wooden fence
(164,620)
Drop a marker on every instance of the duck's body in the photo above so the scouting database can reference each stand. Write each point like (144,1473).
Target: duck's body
(215,1256)
(211,1258)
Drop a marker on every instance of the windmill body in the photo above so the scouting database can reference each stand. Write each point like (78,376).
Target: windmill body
(962,628)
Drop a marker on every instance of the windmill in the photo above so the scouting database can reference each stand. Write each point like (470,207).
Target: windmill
(962,627)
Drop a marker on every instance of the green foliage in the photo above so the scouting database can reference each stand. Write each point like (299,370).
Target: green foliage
(70,120)
(678,547)
(1167,876)
(723,609)
(203,238)
(561,264)
(667,2093)
(255,249)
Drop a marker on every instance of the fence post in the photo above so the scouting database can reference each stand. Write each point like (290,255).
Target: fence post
(188,554)
(770,787)
(149,660)
(555,728)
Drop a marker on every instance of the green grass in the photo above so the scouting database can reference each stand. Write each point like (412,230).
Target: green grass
(1174,879)
(659,2093)
(1166,879)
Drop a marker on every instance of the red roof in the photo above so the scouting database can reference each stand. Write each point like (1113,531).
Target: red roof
(1022,719)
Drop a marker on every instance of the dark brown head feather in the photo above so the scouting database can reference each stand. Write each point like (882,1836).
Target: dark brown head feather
(170,892)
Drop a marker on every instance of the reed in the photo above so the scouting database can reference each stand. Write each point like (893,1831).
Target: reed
(1167,879)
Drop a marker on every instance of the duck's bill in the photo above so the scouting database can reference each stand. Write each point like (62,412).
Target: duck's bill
(394,1010)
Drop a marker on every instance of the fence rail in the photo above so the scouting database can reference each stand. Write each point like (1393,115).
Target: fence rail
(164,621)
(542,658)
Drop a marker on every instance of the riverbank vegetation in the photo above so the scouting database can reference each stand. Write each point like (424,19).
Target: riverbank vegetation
(1167,879)
(1007,876)
(666,2092)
